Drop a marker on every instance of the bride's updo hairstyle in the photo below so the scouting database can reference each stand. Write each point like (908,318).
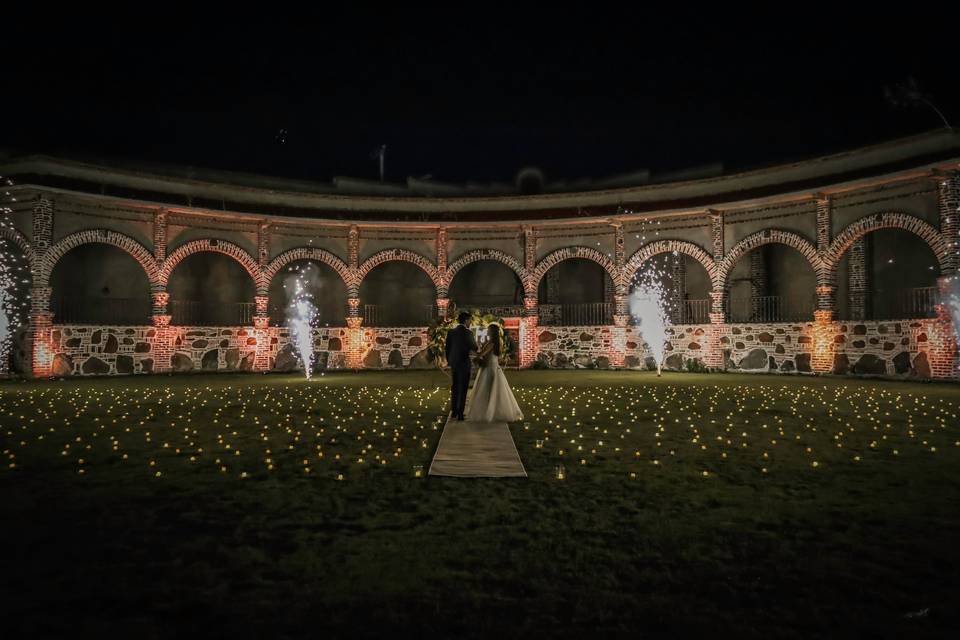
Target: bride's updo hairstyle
(493,331)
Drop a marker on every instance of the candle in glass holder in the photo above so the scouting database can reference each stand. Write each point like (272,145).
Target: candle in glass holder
(561,474)
(417,470)
(538,444)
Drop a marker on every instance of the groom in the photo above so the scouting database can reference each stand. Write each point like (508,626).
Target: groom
(460,342)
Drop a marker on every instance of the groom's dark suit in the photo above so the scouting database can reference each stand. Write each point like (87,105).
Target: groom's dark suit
(460,342)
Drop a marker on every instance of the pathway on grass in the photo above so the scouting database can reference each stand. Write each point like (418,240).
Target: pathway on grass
(476,450)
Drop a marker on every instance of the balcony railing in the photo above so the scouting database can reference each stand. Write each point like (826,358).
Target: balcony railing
(583,314)
(919,302)
(695,311)
(770,309)
(498,305)
(325,316)
(193,313)
(115,311)
(382,315)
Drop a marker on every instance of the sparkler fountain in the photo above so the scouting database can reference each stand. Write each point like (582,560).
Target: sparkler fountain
(649,311)
(301,314)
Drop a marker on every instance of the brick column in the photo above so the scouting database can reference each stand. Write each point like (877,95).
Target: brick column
(41,318)
(160,235)
(713,355)
(529,336)
(824,223)
(824,330)
(618,352)
(716,233)
(263,334)
(858,279)
(948,200)
(163,338)
(354,346)
(678,288)
(941,335)
(442,305)
(41,323)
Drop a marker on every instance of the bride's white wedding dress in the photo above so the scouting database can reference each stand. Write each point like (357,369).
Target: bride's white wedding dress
(492,400)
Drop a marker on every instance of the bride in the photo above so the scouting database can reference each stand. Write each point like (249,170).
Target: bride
(492,400)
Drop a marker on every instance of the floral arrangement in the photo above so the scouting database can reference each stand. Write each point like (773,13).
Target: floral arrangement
(438,335)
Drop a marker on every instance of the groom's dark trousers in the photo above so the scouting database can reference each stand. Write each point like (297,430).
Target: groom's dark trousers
(460,342)
(458,392)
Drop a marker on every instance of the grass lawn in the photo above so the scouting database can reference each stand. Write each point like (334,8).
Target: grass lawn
(238,506)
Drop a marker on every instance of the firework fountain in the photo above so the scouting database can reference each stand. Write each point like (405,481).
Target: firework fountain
(12,274)
(301,314)
(650,312)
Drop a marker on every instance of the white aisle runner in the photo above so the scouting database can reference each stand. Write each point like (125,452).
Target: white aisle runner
(476,450)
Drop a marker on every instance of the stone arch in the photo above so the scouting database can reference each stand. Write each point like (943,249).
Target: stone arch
(477,255)
(893,220)
(8,232)
(669,246)
(567,253)
(401,255)
(307,253)
(760,238)
(216,246)
(98,236)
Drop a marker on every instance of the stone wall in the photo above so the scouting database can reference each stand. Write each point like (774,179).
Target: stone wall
(119,350)
(893,347)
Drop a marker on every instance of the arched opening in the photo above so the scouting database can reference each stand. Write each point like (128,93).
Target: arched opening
(324,286)
(99,284)
(684,283)
(397,294)
(488,285)
(772,283)
(14,307)
(211,289)
(887,274)
(576,292)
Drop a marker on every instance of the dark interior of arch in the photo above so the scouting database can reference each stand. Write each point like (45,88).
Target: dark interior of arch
(209,288)
(577,291)
(892,274)
(324,286)
(397,294)
(684,282)
(486,284)
(772,283)
(99,284)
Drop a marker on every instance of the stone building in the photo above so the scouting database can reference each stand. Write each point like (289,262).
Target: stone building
(835,264)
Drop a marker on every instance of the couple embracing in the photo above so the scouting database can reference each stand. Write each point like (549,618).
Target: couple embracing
(492,400)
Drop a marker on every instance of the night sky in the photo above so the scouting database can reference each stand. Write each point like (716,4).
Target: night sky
(471,95)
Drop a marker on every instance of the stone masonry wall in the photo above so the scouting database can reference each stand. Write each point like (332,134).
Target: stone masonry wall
(108,350)
(893,347)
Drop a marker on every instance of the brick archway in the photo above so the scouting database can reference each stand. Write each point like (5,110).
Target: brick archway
(479,255)
(669,246)
(755,240)
(893,220)
(8,232)
(307,253)
(214,246)
(568,253)
(399,255)
(97,236)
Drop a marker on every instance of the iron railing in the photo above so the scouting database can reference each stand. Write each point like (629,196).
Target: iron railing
(582,314)
(695,311)
(770,309)
(192,313)
(383,315)
(919,302)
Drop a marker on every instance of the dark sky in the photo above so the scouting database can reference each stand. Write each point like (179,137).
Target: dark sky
(473,94)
